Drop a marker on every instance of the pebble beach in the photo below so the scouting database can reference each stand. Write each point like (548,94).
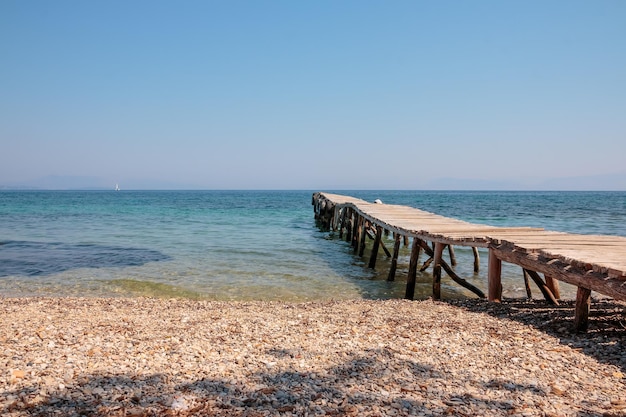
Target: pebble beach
(151,357)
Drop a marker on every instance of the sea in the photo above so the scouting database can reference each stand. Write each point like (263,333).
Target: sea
(251,245)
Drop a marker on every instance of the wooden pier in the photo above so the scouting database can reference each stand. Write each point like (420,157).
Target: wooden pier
(590,262)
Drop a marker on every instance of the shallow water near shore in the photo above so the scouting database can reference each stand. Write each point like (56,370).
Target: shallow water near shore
(249,245)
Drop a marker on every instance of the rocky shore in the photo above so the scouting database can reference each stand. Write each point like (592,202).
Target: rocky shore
(149,357)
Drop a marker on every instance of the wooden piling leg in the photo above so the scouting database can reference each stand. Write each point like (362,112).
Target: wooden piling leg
(373,237)
(476,259)
(358,229)
(349,225)
(583,304)
(452,255)
(529,293)
(427,263)
(494,278)
(379,235)
(451,272)
(342,225)
(357,234)
(410,280)
(394,259)
(382,245)
(553,285)
(437,270)
(406,241)
(363,234)
(335,219)
(547,294)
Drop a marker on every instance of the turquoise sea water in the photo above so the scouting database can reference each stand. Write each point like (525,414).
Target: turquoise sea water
(238,245)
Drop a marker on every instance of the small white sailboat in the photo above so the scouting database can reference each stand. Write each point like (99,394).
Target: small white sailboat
(117,187)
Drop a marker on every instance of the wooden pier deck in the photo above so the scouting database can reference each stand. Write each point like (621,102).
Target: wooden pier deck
(590,262)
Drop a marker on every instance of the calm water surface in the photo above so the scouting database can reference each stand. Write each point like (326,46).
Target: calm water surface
(238,245)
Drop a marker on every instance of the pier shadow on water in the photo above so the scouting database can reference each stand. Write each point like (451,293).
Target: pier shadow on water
(25,258)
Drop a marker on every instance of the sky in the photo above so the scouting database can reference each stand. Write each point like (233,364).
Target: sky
(322,95)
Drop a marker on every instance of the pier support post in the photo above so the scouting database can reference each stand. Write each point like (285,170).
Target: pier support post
(356,234)
(529,293)
(452,255)
(450,271)
(494,277)
(382,244)
(428,261)
(476,259)
(342,224)
(439,247)
(547,294)
(553,286)
(583,304)
(349,225)
(394,259)
(363,236)
(410,281)
(379,235)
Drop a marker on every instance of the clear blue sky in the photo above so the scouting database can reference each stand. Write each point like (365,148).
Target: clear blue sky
(311,94)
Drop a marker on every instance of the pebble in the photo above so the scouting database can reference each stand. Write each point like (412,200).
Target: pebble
(139,357)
